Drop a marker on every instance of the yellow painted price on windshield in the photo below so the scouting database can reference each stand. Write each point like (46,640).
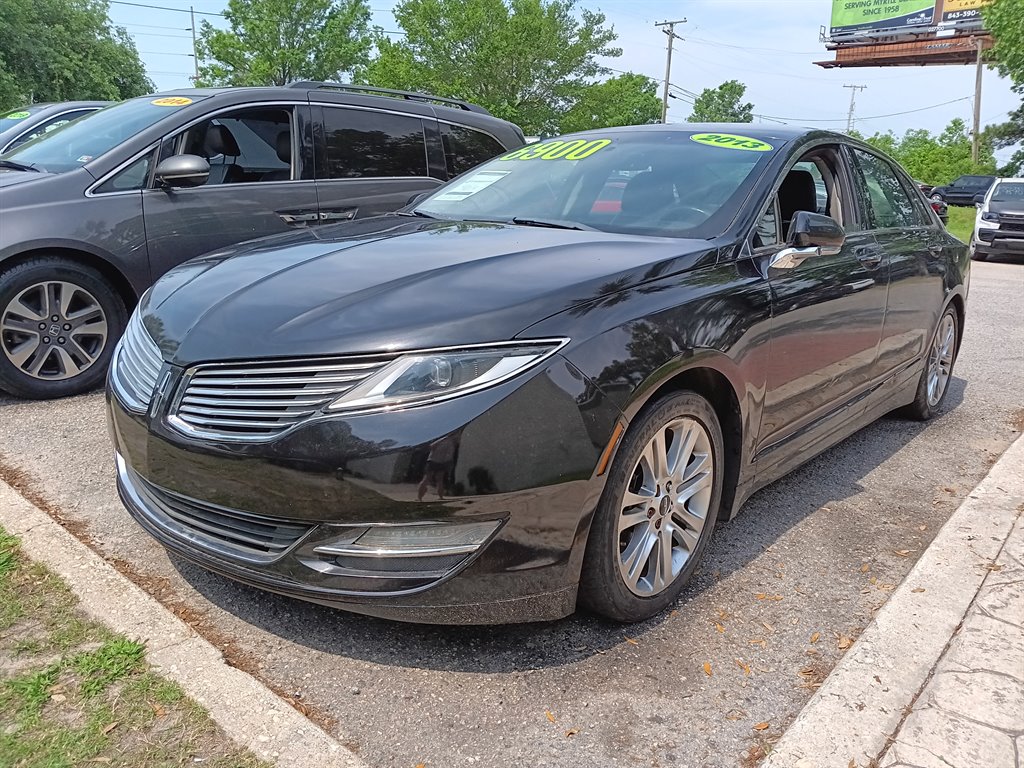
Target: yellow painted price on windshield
(576,149)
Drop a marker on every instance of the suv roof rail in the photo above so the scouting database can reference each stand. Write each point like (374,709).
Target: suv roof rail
(411,95)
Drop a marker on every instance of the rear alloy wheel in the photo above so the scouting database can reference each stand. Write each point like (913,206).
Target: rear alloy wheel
(58,323)
(937,198)
(938,370)
(657,512)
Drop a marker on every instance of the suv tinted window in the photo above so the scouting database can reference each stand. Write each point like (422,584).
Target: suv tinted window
(368,144)
(888,203)
(465,148)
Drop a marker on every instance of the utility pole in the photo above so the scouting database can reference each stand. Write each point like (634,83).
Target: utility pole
(853,104)
(195,48)
(672,36)
(976,140)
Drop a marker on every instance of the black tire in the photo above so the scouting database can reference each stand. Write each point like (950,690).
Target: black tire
(16,279)
(924,408)
(603,589)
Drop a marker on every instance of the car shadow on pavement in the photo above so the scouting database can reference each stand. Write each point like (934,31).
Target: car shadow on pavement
(828,479)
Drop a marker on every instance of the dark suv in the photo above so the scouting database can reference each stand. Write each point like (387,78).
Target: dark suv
(962,190)
(92,213)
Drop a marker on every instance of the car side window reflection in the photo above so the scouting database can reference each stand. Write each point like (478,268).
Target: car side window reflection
(888,203)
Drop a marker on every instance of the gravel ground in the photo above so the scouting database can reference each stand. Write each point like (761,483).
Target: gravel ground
(785,589)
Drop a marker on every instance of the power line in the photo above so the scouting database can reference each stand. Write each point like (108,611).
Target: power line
(872,117)
(165,8)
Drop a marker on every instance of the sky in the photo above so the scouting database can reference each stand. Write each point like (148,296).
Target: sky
(769,45)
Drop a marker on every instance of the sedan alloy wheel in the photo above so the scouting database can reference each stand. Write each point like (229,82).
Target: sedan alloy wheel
(665,506)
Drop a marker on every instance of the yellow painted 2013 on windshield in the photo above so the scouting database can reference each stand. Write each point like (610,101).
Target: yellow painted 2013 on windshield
(576,149)
(732,141)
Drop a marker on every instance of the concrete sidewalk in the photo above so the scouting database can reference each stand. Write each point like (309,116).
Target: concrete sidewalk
(937,679)
(971,710)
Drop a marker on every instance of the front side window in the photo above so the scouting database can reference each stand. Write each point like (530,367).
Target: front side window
(135,176)
(889,204)
(664,183)
(465,148)
(811,185)
(246,146)
(76,143)
(365,144)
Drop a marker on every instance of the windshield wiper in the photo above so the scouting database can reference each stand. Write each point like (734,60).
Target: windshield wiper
(18,166)
(551,224)
(421,214)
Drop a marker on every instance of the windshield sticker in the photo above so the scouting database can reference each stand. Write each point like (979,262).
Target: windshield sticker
(732,141)
(16,116)
(577,149)
(463,189)
(171,101)
(84,159)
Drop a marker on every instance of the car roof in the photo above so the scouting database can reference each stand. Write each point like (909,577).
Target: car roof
(760,131)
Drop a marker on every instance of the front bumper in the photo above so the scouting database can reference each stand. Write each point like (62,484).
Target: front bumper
(264,513)
(990,240)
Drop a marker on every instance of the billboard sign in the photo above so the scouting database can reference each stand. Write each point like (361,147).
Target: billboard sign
(857,16)
(962,11)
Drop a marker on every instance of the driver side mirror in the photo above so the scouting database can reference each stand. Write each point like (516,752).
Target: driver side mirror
(810,235)
(979,199)
(182,171)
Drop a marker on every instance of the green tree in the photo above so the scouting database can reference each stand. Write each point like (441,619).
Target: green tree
(722,105)
(628,99)
(1005,19)
(528,61)
(63,50)
(274,42)
(936,159)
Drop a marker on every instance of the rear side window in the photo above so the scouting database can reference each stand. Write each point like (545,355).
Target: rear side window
(362,144)
(889,204)
(465,148)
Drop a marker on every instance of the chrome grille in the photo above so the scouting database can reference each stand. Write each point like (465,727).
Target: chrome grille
(219,529)
(258,400)
(136,366)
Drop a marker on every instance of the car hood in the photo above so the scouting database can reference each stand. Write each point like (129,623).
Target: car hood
(393,283)
(1011,206)
(9,178)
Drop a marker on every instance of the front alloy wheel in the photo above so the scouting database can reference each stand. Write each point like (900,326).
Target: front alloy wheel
(658,510)
(53,330)
(59,320)
(665,506)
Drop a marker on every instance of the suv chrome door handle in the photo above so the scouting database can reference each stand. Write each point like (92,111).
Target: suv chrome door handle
(341,214)
(298,217)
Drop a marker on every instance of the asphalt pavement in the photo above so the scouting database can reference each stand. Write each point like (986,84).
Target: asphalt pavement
(785,589)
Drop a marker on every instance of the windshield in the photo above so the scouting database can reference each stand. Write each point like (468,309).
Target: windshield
(11,119)
(1008,192)
(662,183)
(76,143)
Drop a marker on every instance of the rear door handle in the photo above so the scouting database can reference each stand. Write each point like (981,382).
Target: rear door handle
(338,214)
(299,218)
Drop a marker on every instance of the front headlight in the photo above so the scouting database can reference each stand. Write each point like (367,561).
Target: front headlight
(426,377)
(989,216)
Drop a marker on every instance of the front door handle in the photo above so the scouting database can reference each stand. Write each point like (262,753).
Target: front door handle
(869,256)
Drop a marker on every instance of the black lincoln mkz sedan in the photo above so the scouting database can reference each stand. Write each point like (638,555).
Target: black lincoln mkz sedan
(542,384)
